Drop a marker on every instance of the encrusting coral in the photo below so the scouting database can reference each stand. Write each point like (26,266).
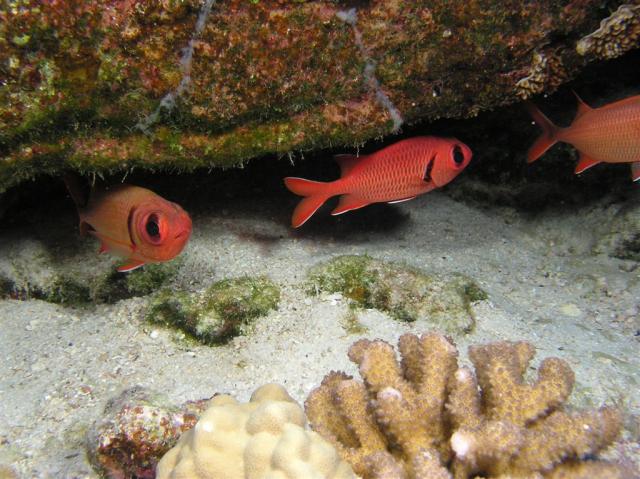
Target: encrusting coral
(617,34)
(425,417)
(264,438)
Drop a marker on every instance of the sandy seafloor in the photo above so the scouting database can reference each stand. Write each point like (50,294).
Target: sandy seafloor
(59,365)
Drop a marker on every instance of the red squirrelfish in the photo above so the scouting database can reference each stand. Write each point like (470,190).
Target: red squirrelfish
(610,134)
(399,172)
(132,222)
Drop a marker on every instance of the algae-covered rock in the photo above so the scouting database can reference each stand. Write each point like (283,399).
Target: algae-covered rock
(405,293)
(222,311)
(623,238)
(74,274)
(112,85)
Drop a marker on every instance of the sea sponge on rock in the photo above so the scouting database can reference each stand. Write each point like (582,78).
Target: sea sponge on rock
(426,418)
(264,438)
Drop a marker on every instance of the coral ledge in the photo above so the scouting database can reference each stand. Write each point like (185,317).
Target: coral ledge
(426,417)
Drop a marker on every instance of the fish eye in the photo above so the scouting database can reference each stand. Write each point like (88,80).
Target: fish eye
(152,227)
(458,155)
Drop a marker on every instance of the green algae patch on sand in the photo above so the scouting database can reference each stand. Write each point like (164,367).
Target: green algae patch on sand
(6,286)
(114,286)
(226,309)
(622,236)
(74,275)
(403,292)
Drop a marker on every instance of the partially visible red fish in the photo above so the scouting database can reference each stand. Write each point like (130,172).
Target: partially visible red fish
(399,172)
(132,222)
(610,134)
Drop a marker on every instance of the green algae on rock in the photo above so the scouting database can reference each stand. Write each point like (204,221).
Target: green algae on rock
(140,282)
(622,240)
(213,316)
(33,269)
(405,293)
(106,86)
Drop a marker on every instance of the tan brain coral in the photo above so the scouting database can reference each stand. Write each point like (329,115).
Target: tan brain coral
(264,438)
(426,418)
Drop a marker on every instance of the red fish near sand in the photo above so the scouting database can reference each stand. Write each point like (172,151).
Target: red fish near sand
(399,172)
(132,222)
(610,134)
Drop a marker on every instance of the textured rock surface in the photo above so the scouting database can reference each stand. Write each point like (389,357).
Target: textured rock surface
(226,309)
(41,267)
(405,293)
(137,429)
(108,86)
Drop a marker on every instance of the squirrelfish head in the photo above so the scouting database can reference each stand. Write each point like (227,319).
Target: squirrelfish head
(451,157)
(159,229)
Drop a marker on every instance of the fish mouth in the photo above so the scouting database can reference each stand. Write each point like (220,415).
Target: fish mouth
(427,172)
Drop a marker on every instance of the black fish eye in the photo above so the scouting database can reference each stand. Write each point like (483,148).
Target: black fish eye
(153,230)
(458,155)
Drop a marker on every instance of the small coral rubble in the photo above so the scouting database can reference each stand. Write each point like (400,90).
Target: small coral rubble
(424,417)
(138,428)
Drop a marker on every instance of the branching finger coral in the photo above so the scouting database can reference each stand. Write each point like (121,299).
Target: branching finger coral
(424,417)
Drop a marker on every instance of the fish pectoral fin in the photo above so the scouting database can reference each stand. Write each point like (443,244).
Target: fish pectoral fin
(85,228)
(348,203)
(585,163)
(635,170)
(130,266)
(401,201)
(108,243)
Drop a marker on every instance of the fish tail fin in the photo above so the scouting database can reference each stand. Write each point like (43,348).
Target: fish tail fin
(548,137)
(315,193)
(76,190)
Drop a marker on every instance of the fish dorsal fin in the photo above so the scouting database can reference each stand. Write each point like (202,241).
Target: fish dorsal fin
(585,163)
(78,191)
(348,203)
(85,228)
(348,162)
(582,106)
